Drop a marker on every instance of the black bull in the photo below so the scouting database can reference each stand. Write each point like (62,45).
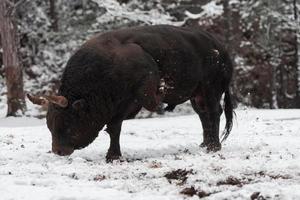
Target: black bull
(113,75)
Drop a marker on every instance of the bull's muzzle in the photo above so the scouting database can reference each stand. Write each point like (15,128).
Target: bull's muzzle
(62,151)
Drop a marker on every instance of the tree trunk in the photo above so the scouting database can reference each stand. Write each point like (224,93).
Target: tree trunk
(228,44)
(53,16)
(11,62)
(227,23)
(274,102)
(272,45)
(297,34)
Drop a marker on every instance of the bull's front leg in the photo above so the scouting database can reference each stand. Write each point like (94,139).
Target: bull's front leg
(114,130)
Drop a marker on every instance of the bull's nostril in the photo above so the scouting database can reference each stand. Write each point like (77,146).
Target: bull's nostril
(57,152)
(62,151)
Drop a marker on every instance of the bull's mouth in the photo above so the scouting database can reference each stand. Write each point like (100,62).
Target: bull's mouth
(62,151)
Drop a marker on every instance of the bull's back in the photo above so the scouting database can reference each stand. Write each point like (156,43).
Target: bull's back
(180,55)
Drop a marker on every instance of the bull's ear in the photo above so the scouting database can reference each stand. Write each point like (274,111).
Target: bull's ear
(79,104)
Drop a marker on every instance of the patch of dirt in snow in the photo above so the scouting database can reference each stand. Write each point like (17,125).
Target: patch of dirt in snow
(180,175)
(161,160)
(191,191)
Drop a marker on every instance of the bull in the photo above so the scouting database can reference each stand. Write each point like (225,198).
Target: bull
(114,74)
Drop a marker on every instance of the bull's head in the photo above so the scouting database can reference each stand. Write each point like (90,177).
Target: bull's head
(70,124)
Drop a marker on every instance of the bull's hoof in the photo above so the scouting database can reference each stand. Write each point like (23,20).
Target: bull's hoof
(110,156)
(203,145)
(213,147)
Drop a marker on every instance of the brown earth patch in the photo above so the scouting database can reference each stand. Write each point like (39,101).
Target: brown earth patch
(191,191)
(99,177)
(231,181)
(179,174)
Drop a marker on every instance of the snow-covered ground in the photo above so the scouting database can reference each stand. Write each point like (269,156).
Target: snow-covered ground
(162,158)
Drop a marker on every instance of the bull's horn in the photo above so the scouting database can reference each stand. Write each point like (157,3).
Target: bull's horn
(58,100)
(38,100)
(44,100)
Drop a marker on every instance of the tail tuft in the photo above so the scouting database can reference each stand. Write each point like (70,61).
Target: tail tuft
(228,110)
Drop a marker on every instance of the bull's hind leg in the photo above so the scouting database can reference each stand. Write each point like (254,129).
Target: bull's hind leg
(207,106)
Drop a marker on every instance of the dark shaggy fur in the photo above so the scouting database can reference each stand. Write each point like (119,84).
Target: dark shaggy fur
(113,75)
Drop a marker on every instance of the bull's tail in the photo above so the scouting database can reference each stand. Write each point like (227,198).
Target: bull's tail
(228,110)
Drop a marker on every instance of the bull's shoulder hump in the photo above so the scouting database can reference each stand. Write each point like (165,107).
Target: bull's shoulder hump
(152,37)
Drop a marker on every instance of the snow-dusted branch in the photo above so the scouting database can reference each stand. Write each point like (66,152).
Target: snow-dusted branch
(115,10)
(210,9)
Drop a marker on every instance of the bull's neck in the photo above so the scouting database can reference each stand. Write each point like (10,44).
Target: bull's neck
(102,100)
(102,106)
(106,102)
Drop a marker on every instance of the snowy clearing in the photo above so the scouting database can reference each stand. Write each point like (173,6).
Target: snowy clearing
(261,158)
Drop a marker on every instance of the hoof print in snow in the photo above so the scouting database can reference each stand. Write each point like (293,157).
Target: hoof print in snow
(202,194)
(279,176)
(133,159)
(187,151)
(88,160)
(155,164)
(221,157)
(191,191)
(272,176)
(73,176)
(257,196)
(180,175)
(99,177)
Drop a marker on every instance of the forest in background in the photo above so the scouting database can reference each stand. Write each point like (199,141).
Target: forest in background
(262,36)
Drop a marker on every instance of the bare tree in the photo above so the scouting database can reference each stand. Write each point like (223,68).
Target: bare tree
(53,15)
(228,26)
(272,45)
(297,28)
(11,61)
(227,23)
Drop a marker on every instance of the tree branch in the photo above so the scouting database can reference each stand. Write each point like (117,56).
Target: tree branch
(9,2)
(13,7)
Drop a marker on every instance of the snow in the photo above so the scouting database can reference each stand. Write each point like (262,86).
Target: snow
(263,153)
(115,10)
(211,9)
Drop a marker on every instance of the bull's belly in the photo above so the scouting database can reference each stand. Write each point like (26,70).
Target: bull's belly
(175,100)
(178,87)
(177,95)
